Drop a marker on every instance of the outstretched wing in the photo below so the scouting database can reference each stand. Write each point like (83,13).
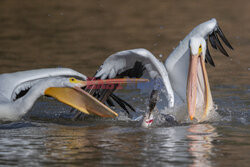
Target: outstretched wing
(132,63)
(211,32)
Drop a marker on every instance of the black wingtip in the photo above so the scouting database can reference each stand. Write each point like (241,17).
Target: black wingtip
(208,57)
(122,101)
(223,37)
(218,44)
(109,102)
(212,41)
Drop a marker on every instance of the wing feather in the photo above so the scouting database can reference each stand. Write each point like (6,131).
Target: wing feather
(134,63)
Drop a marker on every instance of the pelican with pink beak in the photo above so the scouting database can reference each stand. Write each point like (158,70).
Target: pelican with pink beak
(183,75)
(198,89)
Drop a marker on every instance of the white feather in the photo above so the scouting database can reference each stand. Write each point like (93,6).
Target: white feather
(124,60)
(37,80)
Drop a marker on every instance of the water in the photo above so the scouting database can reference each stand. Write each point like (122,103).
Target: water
(80,35)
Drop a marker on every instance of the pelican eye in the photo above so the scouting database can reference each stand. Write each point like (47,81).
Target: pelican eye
(200,49)
(73,80)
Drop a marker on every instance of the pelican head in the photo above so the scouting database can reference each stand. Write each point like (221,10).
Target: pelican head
(63,82)
(44,85)
(70,92)
(198,90)
(64,89)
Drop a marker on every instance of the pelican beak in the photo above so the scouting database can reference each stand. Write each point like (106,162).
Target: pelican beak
(120,81)
(81,100)
(192,85)
(198,90)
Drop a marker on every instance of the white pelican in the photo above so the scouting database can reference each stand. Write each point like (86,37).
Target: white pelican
(20,90)
(183,74)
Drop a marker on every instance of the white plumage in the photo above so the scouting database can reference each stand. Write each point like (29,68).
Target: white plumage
(37,81)
(124,60)
(174,72)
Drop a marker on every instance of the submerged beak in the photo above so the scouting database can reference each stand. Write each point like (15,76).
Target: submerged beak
(76,97)
(197,81)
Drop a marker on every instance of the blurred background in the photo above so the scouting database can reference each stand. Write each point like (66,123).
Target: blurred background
(82,34)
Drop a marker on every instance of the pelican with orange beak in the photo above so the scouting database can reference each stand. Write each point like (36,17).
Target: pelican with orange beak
(20,90)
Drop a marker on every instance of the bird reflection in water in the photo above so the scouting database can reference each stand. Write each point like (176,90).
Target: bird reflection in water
(70,144)
(200,147)
(108,144)
(92,145)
